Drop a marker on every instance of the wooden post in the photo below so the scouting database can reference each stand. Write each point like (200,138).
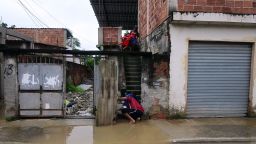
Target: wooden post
(107,95)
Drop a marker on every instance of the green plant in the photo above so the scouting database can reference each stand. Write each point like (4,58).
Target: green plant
(178,115)
(10,118)
(74,89)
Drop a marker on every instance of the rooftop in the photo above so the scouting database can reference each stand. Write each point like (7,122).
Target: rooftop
(116,13)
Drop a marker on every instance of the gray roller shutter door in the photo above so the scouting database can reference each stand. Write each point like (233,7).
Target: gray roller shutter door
(218,79)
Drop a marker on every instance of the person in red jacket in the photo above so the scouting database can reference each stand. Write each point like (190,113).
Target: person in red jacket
(131,108)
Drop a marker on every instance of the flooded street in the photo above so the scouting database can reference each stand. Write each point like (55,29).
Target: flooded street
(145,132)
(47,132)
(82,131)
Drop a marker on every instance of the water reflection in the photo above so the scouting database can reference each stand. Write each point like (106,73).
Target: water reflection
(81,135)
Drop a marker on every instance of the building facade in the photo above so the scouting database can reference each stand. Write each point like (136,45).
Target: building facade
(211,65)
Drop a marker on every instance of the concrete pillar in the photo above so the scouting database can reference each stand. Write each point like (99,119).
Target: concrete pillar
(10,86)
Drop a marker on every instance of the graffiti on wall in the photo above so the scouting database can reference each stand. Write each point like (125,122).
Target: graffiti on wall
(158,40)
(28,79)
(52,81)
(9,69)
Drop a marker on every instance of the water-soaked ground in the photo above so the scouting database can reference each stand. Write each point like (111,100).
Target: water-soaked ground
(47,132)
(79,131)
(145,132)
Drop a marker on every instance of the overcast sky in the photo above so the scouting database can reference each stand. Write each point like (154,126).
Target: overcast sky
(75,15)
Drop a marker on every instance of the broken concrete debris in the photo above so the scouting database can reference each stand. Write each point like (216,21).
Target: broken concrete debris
(80,104)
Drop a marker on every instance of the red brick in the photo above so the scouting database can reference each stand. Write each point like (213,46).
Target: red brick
(188,8)
(198,8)
(192,2)
(46,36)
(201,2)
(254,4)
(208,9)
(253,11)
(217,9)
(226,10)
(237,10)
(211,2)
(220,2)
(248,4)
(247,10)
(239,4)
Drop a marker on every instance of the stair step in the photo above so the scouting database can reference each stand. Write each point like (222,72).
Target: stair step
(132,79)
(135,87)
(136,92)
(132,73)
(133,62)
(133,76)
(133,68)
(132,57)
(132,65)
(132,82)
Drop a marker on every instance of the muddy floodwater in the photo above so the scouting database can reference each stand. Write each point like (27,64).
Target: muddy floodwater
(47,132)
(83,131)
(145,132)
(80,132)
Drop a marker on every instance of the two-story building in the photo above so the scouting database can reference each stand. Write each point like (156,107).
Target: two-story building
(212,65)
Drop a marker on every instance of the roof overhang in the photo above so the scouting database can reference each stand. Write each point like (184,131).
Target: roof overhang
(116,13)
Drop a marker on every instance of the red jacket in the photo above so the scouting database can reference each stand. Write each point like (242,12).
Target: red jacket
(134,104)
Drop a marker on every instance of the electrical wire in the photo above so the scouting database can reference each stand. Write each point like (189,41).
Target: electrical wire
(47,12)
(25,8)
(34,21)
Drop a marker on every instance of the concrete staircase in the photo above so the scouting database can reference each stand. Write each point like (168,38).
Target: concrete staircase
(132,68)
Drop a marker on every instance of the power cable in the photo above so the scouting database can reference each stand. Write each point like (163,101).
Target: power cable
(47,12)
(36,23)
(41,22)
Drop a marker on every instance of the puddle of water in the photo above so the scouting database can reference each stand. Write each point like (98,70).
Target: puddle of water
(66,135)
(49,135)
(81,135)
(124,133)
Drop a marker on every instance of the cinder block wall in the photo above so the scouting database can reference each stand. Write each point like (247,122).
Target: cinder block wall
(50,36)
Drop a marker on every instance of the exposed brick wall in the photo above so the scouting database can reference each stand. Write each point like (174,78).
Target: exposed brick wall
(110,35)
(218,6)
(161,69)
(142,16)
(151,15)
(51,36)
(78,73)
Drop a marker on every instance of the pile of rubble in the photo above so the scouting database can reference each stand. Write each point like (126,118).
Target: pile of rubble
(80,104)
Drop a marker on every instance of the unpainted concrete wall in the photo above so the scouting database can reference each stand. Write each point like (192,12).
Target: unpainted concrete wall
(155,87)
(158,41)
(10,86)
(181,35)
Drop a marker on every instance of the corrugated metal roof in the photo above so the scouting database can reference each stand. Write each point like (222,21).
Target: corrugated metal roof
(115,13)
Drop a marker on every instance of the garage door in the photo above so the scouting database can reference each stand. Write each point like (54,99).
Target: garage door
(218,79)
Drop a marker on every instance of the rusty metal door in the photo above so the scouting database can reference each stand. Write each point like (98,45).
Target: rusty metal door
(40,89)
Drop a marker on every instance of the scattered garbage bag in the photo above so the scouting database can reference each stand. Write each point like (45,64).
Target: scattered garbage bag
(84,86)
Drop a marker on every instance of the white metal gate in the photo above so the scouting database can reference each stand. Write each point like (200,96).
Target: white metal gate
(40,89)
(218,79)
